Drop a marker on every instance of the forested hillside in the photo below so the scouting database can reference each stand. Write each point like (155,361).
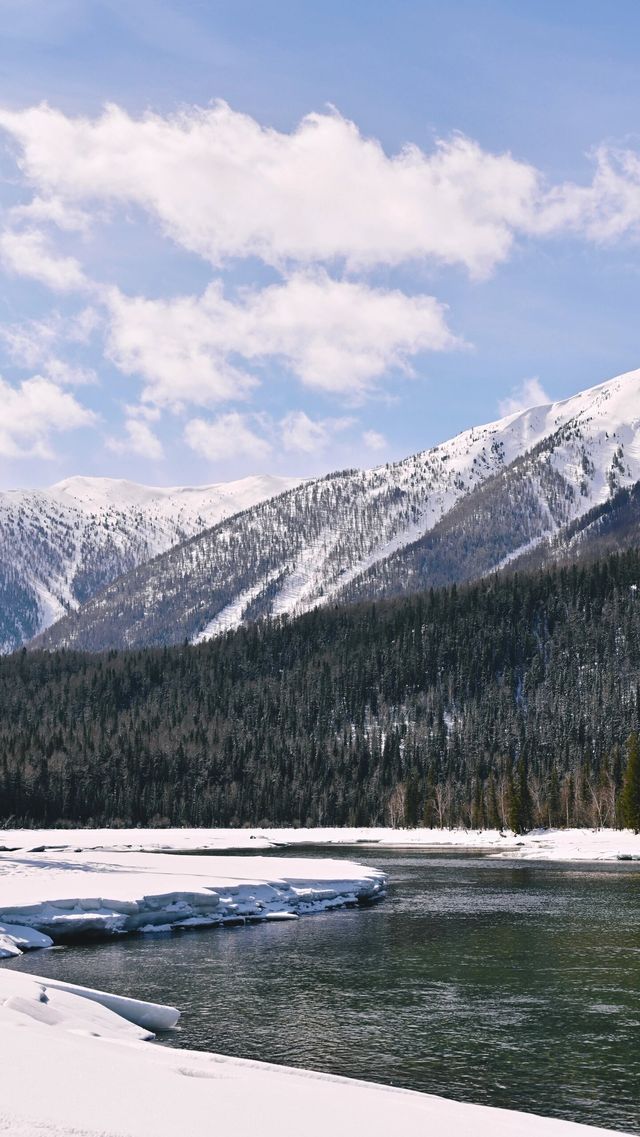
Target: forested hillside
(506,701)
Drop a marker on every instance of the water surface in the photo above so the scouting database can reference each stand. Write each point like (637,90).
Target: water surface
(511,984)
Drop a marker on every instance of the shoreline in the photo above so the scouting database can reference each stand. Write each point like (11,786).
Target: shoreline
(90,1061)
(61,895)
(539,844)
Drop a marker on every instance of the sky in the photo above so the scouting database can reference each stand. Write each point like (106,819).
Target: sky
(290,237)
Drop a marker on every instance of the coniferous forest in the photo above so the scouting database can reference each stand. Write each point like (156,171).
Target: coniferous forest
(512,702)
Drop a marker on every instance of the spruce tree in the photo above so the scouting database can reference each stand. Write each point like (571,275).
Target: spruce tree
(630,793)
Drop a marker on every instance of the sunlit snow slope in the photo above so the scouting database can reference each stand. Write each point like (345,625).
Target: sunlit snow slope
(450,513)
(60,545)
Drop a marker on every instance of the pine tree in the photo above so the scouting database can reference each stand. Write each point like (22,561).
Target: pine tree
(630,793)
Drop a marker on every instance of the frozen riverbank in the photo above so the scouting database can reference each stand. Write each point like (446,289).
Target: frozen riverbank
(541,844)
(79,893)
(73,1066)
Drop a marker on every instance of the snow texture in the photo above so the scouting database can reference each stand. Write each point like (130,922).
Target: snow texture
(79,893)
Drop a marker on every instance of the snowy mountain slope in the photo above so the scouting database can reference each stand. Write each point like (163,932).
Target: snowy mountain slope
(58,546)
(482,498)
(518,517)
(612,527)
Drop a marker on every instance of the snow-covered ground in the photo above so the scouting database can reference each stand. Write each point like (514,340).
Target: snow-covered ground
(540,844)
(72,1067)
(65,894)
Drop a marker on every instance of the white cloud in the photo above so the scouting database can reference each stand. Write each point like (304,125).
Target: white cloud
(30,343)
(53,210)
(139,439)
(299,432)
(223,186)
(38,343)
(373,440)
(341,336)
(335,336)
(179,347)
(227,436)
(606,209)
(26,252)
(32,412)
(68,374)
(530,393)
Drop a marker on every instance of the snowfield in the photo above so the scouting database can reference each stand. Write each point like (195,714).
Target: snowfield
(74,1068)
(67,894)
(540,844)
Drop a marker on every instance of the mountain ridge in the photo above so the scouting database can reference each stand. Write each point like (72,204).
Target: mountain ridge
(60,545)
(478,500)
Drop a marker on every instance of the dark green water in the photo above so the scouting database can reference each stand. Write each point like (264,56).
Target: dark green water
(505,983)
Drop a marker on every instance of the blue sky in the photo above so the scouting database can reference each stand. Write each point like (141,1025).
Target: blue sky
(194,291)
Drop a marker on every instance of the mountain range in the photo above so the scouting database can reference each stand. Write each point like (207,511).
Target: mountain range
(60,546)
(131,566)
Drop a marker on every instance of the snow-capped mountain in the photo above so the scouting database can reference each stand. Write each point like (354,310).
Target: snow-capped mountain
(60,545)
(450,513)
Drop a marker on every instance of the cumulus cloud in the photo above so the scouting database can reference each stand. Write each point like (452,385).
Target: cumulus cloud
(179,347)
(322,205)
(26,252)
(530,393)
(373,440)
(53,210)
(32,412)
(139,439)
(227,436)
(606,209)
(334,336)
(38,343)
(68,374)
(307,435)
(222,185)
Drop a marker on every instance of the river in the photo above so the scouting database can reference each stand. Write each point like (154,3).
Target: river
(507,983)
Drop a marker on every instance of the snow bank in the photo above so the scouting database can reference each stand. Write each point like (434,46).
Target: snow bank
(76,1009)
(542,844)
(185,840)
(72,1066)
(81,893)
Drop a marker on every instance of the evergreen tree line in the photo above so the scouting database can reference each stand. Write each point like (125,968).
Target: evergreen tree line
(512,702)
